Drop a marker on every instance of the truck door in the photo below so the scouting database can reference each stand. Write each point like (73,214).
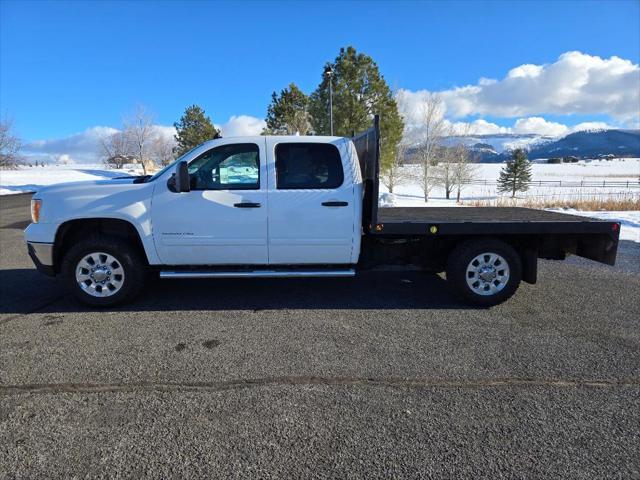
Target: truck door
(223,219)
(311,202)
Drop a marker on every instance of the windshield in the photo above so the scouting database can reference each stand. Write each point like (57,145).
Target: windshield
(160,172)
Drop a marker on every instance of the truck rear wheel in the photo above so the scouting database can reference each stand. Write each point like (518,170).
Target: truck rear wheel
(103,271)
(484,272)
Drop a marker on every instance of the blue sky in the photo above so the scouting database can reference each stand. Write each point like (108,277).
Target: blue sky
(69,66)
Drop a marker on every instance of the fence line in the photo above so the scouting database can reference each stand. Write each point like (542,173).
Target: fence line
(567,183)
(621,195)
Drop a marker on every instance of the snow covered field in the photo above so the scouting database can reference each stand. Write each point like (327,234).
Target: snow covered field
(29,179)
(629,221)
(619,171)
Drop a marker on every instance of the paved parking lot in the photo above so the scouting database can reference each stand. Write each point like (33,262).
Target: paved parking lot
(383,375)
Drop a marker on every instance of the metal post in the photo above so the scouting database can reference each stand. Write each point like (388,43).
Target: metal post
(331,104)
(329,73)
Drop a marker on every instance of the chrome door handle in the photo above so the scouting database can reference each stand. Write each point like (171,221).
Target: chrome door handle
(247,205)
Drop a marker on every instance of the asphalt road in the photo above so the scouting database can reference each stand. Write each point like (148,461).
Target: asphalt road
(385,375)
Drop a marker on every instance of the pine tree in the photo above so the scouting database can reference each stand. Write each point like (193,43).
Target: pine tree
(359,92)
(516,174)
(193,129)
(288,113)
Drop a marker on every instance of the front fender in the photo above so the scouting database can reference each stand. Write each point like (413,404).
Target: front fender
(87,201)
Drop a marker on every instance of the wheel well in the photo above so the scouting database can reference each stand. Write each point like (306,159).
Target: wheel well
(527,248)
(74,230)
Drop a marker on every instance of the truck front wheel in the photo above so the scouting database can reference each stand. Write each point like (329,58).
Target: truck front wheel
(103,271)
(484,272)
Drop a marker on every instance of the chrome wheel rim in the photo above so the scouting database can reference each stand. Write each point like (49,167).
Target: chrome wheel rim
(487,274)
(100,274)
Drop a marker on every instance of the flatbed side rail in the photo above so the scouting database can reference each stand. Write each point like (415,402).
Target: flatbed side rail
(367,146)
(595,240)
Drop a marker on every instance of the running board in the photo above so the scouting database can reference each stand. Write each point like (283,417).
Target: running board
(257,273)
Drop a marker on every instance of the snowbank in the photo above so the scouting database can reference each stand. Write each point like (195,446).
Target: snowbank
(630,221)
(29,179)
(409,193)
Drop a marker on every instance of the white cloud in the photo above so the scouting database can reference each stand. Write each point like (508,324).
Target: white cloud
(480,127)
(539,126)
(242,126)
(78,148)
(81,147)
(165,132)
(84,147)
(411,105)
(524,71)
(576,83)
(521,126)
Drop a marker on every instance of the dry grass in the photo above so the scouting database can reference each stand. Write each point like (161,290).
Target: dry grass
(612,202)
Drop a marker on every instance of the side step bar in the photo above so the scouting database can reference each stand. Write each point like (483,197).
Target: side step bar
(257,273)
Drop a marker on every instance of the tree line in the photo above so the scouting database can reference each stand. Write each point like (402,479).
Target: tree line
(359,91)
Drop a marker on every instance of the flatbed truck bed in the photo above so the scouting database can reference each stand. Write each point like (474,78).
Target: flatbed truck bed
(436,231)
(483,220)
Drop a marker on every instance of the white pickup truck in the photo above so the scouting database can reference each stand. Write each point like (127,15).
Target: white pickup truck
(287,206)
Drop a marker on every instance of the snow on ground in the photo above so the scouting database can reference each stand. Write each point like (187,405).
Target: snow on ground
(409,194)
(621,170)
(29,179)
(629,220)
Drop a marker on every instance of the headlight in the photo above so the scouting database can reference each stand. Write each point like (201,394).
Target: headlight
(36,205)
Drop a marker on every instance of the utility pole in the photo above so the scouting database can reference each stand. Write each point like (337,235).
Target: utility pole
(329,74)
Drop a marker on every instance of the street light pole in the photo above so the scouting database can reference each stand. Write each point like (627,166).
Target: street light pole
(329,73)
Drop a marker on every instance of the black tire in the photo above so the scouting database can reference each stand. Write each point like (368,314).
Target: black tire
(125,254)
(462,256)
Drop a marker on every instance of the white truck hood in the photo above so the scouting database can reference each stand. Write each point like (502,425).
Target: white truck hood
(70,186)
(114,198)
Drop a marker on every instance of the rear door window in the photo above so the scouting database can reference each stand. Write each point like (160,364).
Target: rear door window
(308,166)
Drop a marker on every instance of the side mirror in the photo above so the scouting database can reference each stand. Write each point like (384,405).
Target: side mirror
(182,182)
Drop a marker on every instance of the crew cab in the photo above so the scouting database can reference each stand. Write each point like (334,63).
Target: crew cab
(287,206)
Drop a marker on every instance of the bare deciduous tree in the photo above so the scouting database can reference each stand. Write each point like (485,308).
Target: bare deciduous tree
(444,170)
(464,172)
(162,150)
(433,129)
(140,133)
(10,145)
(115,150)
(139,141)
(462,166)
(395,174)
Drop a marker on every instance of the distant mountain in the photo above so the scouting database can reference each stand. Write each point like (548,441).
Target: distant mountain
(585,144)
(590,144)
